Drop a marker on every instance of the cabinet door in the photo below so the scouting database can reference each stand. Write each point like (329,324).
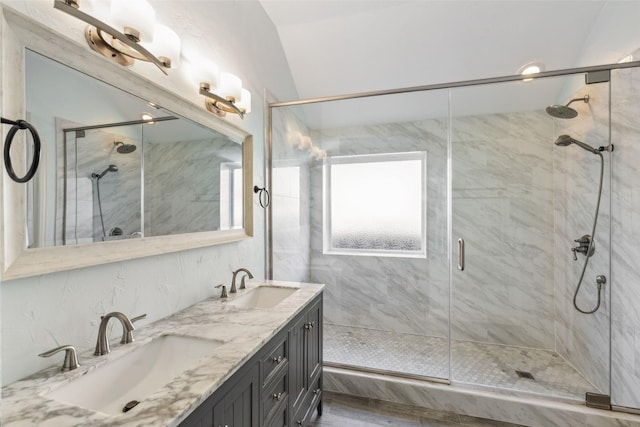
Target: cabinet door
(240,406)
(314,343)
(297,376)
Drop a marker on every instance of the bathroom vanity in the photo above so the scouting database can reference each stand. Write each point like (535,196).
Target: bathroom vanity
(281,385)
(252,359)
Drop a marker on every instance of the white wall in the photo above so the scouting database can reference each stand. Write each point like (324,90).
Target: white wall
(42,312)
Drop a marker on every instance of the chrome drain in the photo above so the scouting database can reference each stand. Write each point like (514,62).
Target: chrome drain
(524,374)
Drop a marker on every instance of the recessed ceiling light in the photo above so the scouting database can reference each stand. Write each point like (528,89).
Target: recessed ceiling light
(531,68)
(148,117)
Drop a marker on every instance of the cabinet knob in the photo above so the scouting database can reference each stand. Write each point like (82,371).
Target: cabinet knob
(299,422)
(277,360)
(309,325)
(316,391)
(277,396)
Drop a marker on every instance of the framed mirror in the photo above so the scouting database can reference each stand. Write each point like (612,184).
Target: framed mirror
(127,169)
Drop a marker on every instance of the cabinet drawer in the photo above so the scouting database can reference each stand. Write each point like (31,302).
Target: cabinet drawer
(280,416)
(273,396)
(310,403)
(277,357)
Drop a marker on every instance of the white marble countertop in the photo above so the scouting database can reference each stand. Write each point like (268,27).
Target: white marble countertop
(243,332)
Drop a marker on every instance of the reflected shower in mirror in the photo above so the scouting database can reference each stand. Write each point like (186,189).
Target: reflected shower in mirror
(118,167)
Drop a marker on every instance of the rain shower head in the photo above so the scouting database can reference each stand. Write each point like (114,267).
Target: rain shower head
(566,140)
(564,111)
(124,148)
(110,168)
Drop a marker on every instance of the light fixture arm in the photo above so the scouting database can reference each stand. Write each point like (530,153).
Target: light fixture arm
(68,7)
(230,106)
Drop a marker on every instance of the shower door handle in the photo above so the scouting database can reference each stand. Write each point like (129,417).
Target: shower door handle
(461,254)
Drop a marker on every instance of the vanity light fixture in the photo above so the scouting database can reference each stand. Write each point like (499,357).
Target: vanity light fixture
(139,36)
(229,96)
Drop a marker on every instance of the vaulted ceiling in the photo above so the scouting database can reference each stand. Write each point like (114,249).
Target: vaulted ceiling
(345,46)
(337,47)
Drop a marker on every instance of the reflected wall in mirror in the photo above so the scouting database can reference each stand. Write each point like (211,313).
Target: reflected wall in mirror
(108,174)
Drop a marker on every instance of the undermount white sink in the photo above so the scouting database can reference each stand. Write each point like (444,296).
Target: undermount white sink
(135,375)
(263,297)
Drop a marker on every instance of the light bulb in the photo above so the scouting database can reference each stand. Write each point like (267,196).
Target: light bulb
(136,19)
(166,46)
(230,86)
(245,101)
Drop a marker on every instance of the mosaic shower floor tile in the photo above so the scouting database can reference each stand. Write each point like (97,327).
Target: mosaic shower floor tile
(478,364)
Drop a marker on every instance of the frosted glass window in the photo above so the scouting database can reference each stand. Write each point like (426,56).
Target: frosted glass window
(375,204)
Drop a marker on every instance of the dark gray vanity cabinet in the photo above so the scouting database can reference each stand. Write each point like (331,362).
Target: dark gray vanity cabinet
(232,405)
(237,407)
(305,383)
(280,386)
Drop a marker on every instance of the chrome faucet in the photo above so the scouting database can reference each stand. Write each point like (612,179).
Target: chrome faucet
(102,345)
(242,284)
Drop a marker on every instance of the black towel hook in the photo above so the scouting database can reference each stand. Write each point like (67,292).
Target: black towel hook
(16,126)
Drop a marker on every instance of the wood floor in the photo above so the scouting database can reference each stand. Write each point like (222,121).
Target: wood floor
(346,411)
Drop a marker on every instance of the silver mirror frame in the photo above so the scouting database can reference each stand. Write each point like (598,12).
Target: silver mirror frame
(20,33)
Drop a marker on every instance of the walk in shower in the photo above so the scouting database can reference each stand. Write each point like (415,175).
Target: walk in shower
(454,229)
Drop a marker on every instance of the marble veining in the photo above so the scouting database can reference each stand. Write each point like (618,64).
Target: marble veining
(189,164)
(242,331)
(502,207)
(584,340)
(494,405)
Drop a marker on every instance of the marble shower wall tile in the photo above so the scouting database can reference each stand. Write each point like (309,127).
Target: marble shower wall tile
(511,224)
(292,158)
(502,208)
(120,191)
(625,274)
(408,295)
(583,339)
(169,169)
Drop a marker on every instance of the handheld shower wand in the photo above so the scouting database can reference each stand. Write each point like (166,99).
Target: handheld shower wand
(98,177)
(566,140)
(111,168)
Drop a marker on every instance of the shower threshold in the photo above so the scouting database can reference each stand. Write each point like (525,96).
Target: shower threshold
(477,365)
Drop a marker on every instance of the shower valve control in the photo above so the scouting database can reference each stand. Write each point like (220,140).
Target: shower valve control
(585,245)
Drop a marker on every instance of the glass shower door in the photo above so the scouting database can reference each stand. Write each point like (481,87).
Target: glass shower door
(518,203)
(360,204)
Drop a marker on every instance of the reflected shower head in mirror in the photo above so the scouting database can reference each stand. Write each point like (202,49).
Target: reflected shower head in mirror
(564,111)
(111,168)
(566,140)
(123,148)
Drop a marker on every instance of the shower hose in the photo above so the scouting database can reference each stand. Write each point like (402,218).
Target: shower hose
(587,256)
(104,234)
